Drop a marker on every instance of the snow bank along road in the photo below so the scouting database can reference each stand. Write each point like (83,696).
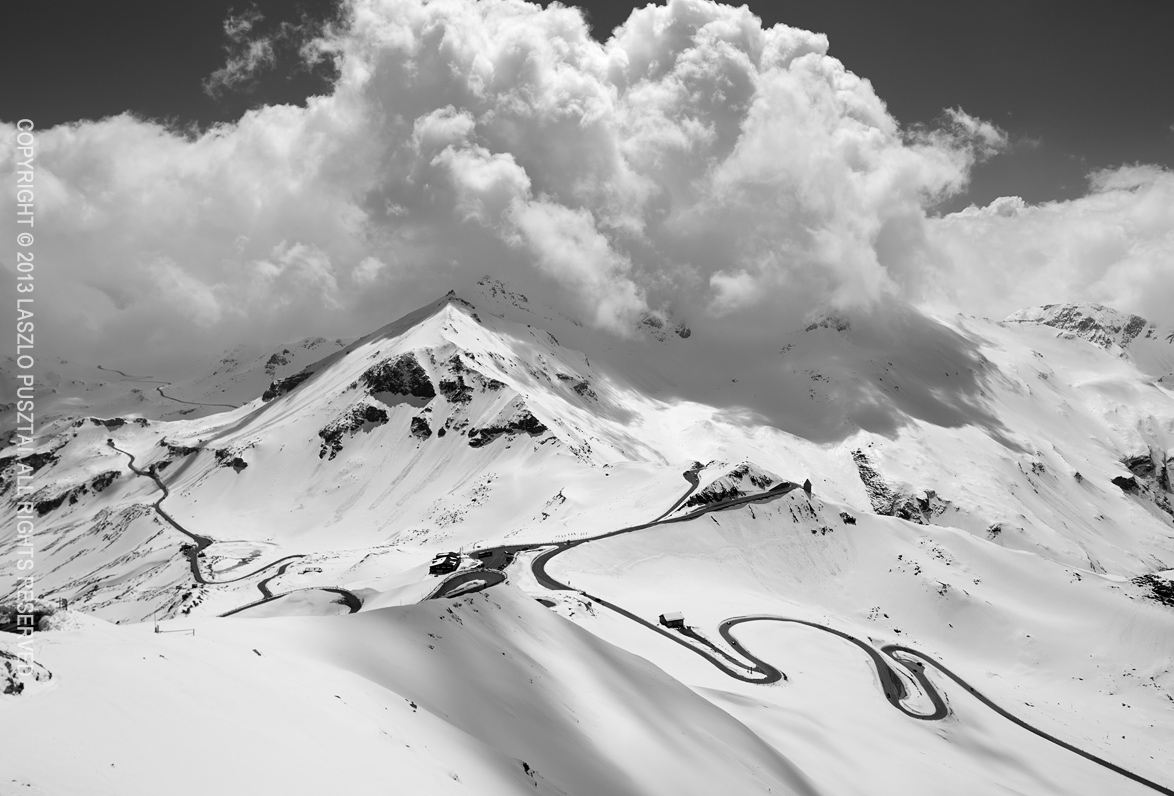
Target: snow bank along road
(200,543)
(495,560)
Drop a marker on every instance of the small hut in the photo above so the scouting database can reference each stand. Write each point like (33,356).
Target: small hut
(674,619)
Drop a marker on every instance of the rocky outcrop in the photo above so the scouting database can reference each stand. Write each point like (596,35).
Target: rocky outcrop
(897,500)
(358,417)
(1149,479)
(11,466)
(104,480)
(277,361)
(230,458)
(744,479)
(1158,588)
(50,499)
(280,387)
(583,388)
(455,390)
(400,376)
(421,429)
(524,422)
(177,451)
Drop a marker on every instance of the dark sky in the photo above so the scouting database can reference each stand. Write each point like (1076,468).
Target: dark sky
(1079,85)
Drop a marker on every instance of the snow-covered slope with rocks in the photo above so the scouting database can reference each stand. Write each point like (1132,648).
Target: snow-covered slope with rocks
(1147,344)
(996,494)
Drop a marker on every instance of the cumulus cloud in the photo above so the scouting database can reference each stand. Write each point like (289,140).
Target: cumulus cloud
(696,164)
(1114,246)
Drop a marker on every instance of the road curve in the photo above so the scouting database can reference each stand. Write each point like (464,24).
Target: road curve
(199,542)
(349,599)
(159,390)
(451,586)
(191,403)
(891,683)
(762,672)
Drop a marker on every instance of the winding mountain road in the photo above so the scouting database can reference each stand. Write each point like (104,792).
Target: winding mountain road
(159,389)
(758,670)
(201,542)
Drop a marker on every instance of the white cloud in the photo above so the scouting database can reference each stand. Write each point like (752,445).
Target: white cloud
(248,53)
(695,162)
(1114,246)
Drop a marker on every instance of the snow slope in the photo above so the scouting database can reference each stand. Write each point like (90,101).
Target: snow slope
(985,492)
(487,694)
(1085,657)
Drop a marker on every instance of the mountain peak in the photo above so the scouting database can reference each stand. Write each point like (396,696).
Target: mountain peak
(1096,323)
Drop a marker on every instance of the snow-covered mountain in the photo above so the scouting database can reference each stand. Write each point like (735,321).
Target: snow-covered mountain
(1148,345)
(67,390)
(994,495)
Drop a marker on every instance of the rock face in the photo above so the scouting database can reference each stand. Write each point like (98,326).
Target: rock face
(400,376)
(420,428)
(1150,479)
(277,360)
(456,391)
(1099,325)
(45,501)
(358,417)
(740,481)
(897,500)
(282,386)
(522,423)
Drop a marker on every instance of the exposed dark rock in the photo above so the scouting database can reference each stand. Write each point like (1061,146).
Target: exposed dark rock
(523,422)
(103,480)
(114,422)
(896,501)
(177,450)
(47,504)
(584,388)
(727,487)
(230,458)
(441,432)
(373,414)
(1126,484)
(348,424)
(1161,590)
(401,376)
(280,387)
(421,429)
(830,322)
(276,361)
(457,391)
(34,461)
(1140,466)
(847,518)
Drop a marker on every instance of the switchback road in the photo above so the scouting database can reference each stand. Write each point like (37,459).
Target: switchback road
(201,543)
(755,669)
